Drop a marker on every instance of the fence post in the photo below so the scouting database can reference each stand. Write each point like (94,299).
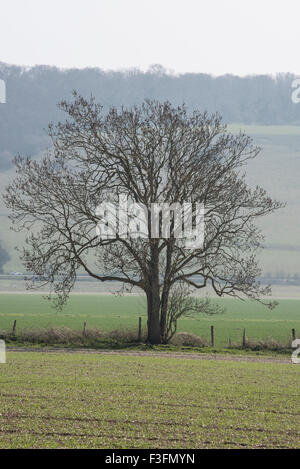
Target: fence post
(140,330)
(84,328)
(244,338)
(212,335)
(14,327)
(293,334)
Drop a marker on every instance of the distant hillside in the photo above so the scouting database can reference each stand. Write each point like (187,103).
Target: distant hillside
(261,105)
(32,95)
(277,169)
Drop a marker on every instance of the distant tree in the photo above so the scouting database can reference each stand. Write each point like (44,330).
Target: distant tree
(153,153)
(4,257)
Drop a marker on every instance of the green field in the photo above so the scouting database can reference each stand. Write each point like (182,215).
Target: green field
(265,129)
(108,312)
(51,400)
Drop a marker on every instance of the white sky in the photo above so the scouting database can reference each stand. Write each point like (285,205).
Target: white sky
(211,36)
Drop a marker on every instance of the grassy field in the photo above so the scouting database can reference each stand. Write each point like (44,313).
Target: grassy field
(266,129)
(106,401)
(108,312)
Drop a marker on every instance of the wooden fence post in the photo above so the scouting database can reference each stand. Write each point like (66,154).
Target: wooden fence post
(244,338)
(212,335)
(293,334)
(140,330)
(14,327)
(84,328)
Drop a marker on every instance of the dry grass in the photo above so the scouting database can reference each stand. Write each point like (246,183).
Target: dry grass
(95,338)
(270,344)
(127,336)
(65,336)
(186,339)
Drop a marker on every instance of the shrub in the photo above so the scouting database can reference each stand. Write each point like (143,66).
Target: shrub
(126,335)
(53,335)
(66,336)
(186,339)
(263,344)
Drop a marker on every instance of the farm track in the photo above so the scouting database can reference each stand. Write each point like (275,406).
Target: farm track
(192,356)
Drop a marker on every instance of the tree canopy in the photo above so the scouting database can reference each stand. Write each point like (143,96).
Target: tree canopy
(153,153)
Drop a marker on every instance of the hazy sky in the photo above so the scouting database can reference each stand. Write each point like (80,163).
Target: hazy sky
(214,36)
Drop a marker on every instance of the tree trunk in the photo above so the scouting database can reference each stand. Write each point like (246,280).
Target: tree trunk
(153,298)
(153,304)
(166,292)
(163,316)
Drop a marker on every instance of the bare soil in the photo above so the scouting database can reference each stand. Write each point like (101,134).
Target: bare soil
(140,353)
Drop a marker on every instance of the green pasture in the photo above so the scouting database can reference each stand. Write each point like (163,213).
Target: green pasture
(265,129)
(109,312)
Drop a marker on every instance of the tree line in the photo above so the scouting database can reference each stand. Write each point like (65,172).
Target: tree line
(32,94)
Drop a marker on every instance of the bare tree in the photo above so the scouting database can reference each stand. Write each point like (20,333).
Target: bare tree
(153,153)
(181,303)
